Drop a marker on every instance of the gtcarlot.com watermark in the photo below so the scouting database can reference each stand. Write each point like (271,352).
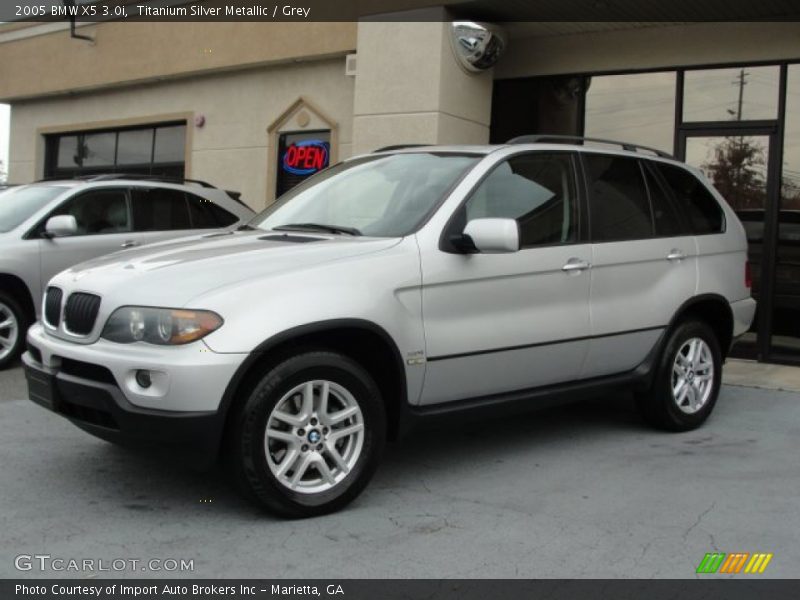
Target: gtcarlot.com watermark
(47,562)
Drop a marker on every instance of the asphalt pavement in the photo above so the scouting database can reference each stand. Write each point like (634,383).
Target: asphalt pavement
(578,491)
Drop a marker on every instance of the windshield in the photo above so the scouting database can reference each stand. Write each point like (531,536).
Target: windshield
(17,204)
(380,196)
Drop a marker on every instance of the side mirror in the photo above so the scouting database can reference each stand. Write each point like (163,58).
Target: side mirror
(61,225)
(493,236)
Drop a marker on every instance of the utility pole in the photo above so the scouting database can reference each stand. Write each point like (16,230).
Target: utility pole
(741,82)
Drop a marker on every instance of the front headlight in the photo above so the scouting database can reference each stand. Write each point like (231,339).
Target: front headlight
(163,326)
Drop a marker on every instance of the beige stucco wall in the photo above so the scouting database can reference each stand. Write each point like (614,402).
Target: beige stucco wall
(230,150)
(650,48)
(409,88)
(126,52)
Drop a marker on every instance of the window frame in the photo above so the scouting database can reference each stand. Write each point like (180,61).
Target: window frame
(449,230)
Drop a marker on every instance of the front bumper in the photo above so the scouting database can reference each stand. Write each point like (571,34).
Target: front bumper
(101,409)
(94,389)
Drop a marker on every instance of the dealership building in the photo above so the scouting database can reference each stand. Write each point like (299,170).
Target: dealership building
(257,106)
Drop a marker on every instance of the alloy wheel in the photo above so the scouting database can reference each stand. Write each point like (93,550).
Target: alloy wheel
(692,375)
(9,330)
(314,436)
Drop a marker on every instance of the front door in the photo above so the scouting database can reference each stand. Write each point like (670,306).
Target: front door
(739,162)
(104,226)
(496,323)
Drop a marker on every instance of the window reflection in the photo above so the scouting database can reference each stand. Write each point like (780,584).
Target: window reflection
(637,108)
(746,93)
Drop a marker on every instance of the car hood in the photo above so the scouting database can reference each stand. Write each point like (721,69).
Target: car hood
(174,272)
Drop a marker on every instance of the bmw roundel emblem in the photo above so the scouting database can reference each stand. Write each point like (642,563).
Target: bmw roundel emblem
(314,436)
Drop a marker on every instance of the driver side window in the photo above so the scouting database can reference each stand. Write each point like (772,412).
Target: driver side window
(98,212)
(538,191)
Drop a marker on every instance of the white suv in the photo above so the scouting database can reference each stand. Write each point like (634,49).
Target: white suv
(397,286)
(48,226)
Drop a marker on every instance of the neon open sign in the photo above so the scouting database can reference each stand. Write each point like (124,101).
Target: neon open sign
(306,157)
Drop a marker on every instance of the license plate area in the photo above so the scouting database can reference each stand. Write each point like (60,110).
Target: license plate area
(42,388)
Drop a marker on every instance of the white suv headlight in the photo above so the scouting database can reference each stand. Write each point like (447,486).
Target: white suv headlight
(163,326)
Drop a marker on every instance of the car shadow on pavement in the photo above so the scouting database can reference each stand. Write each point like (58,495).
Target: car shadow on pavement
(154,481)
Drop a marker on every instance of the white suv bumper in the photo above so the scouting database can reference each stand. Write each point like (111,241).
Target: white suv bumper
(190,378)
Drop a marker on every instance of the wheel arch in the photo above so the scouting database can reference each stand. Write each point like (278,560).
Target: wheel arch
(363,341)
(17,287)
(713,309)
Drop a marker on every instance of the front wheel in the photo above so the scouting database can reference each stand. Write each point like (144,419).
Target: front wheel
(687,383)
(13,325)
(309,435)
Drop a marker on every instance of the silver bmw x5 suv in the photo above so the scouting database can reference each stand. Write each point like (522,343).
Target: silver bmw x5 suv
(398,286)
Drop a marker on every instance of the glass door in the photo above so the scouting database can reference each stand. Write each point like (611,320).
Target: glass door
(737,161)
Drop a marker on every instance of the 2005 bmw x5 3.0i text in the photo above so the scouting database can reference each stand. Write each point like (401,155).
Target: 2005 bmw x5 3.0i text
(402,284)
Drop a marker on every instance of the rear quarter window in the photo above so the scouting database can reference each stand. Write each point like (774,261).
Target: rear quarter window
(693,199)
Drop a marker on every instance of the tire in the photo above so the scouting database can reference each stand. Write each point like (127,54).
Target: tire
(281,447)
(696,395)
(12,335)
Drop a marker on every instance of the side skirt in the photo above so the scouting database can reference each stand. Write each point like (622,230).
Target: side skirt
(528,400)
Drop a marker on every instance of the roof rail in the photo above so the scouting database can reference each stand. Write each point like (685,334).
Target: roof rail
(137,177)
(564,139)
(400,147)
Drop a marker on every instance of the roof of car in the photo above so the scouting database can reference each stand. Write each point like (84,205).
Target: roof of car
(548,142)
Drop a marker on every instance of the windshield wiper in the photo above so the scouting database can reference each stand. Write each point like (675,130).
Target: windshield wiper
(317,227)
(245,227)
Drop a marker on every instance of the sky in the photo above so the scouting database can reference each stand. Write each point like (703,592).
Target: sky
(4,124)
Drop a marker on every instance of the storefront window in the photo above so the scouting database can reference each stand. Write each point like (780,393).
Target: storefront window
(135,147)
(786,302)
(150,150)
(738,94)
(170,143)
(638,108)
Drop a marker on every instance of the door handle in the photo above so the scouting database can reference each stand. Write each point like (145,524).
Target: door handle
(675,254)
(129,244)
(576,265)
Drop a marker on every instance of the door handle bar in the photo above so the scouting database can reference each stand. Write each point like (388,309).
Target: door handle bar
(675,254)
(576,265)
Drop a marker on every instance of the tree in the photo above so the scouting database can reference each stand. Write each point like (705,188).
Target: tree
(737,170)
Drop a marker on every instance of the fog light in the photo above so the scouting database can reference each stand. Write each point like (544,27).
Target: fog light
(143,379)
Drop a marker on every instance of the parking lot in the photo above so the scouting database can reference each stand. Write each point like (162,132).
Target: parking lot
(580,491)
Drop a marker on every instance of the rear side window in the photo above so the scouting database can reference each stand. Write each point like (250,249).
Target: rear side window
(207,215)
(160,209)
(619,206)
(666,219)
(693,199)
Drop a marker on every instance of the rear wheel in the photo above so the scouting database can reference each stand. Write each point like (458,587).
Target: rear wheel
(309,436)
(687,383)
(13,325)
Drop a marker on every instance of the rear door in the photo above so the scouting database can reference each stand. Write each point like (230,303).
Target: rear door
(644,262)
(104,225)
